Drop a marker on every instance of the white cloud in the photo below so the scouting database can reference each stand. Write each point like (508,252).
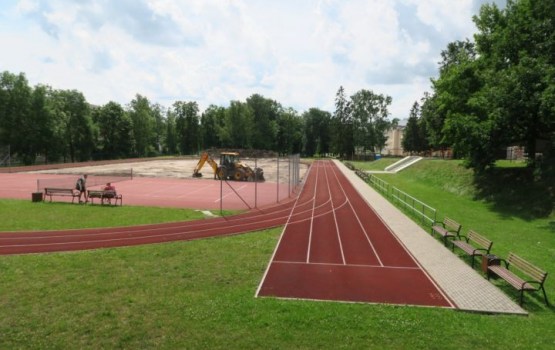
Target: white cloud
(215,51)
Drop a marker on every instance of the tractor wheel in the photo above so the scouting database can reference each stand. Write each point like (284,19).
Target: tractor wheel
(222,173)
(239,175)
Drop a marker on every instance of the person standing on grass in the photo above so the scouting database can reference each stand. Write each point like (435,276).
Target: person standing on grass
(81,186)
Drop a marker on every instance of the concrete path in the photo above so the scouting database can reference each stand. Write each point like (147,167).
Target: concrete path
(469,290)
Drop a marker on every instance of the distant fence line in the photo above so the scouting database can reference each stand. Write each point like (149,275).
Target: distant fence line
(398,197)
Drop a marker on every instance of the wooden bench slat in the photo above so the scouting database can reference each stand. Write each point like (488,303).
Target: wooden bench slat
(518,282)
(446,228)
(54,191)
(482,245)
(526,267)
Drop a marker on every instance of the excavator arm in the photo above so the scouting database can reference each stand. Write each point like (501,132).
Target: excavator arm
(205,158)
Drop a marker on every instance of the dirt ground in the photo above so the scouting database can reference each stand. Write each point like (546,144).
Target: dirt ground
(181,168)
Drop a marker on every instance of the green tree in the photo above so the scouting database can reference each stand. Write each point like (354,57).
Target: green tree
(414,137)
(290,135)
(115,131)
(187,125)
(171,133)
(237,129)
(73,125)
(159,128)
(15,115)
(212,121)
(517,47)
(265,114)
(342,126)
(370,119)
(316,138)
(144,126)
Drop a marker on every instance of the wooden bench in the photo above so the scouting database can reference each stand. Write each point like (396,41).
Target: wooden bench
(534,276)
(447,228)
(69,192)
(105,195)
(480,244)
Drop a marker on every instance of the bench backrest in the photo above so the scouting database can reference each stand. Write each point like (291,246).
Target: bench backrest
(479,239)
(61,190)
(536,273)
(452,224)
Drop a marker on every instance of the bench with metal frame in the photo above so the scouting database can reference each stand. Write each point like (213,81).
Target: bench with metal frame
(448,228)
(105,195)
(480,244)
(535,276)
(68,192)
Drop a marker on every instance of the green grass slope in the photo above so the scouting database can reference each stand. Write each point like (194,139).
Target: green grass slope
(503,207)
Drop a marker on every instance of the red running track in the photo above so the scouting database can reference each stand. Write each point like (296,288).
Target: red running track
(335,247)
(67,240)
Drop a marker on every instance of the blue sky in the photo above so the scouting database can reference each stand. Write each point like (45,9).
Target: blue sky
(297,52)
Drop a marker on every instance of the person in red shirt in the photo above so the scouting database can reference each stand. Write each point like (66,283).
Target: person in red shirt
(109,193)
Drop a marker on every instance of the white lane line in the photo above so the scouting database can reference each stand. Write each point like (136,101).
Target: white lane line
(335,217)
(282,234)
(286,262)
(312,216)
(359,222)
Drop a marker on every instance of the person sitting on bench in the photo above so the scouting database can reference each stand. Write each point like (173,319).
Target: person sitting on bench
(109,193)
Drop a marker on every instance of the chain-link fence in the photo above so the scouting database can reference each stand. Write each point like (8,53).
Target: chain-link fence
(5,156)
(282,178)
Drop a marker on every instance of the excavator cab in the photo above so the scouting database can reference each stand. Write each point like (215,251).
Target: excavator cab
(229,159)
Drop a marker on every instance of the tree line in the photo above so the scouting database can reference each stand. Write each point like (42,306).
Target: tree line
(46,125)
(495,91)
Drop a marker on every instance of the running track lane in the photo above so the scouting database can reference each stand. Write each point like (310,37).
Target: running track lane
(67,240)
(335,247)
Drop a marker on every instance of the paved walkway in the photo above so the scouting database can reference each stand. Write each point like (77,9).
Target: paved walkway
(466,287)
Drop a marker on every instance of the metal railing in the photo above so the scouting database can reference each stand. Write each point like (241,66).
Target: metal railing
(418,207)
(402,199)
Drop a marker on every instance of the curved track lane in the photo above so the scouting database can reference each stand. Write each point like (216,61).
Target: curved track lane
(69,240)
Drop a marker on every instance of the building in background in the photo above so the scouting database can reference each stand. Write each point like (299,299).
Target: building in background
(393,145)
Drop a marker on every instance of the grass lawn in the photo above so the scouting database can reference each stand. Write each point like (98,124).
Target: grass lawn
(200,294)
(18,215)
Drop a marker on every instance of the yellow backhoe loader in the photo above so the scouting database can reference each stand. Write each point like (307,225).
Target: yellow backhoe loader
(230,168)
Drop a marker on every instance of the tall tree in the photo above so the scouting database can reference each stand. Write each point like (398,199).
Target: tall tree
(237,130)
(289,138)
(187,124)
(115,130)
(212,121)
(370,119)
(342,126)
(414,138)
(316,138)
(15,114)
(171,133)
(265,114)
(159,127)
(74,124)
(144,125)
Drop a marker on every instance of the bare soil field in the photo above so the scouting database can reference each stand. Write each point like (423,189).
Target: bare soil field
(180,168)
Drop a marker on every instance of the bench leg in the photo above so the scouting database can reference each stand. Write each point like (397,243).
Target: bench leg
(545,296)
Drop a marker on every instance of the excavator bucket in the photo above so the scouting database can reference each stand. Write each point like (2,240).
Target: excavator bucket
(259,174)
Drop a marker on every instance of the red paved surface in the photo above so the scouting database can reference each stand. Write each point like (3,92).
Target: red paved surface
(163,192)
(334,247)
